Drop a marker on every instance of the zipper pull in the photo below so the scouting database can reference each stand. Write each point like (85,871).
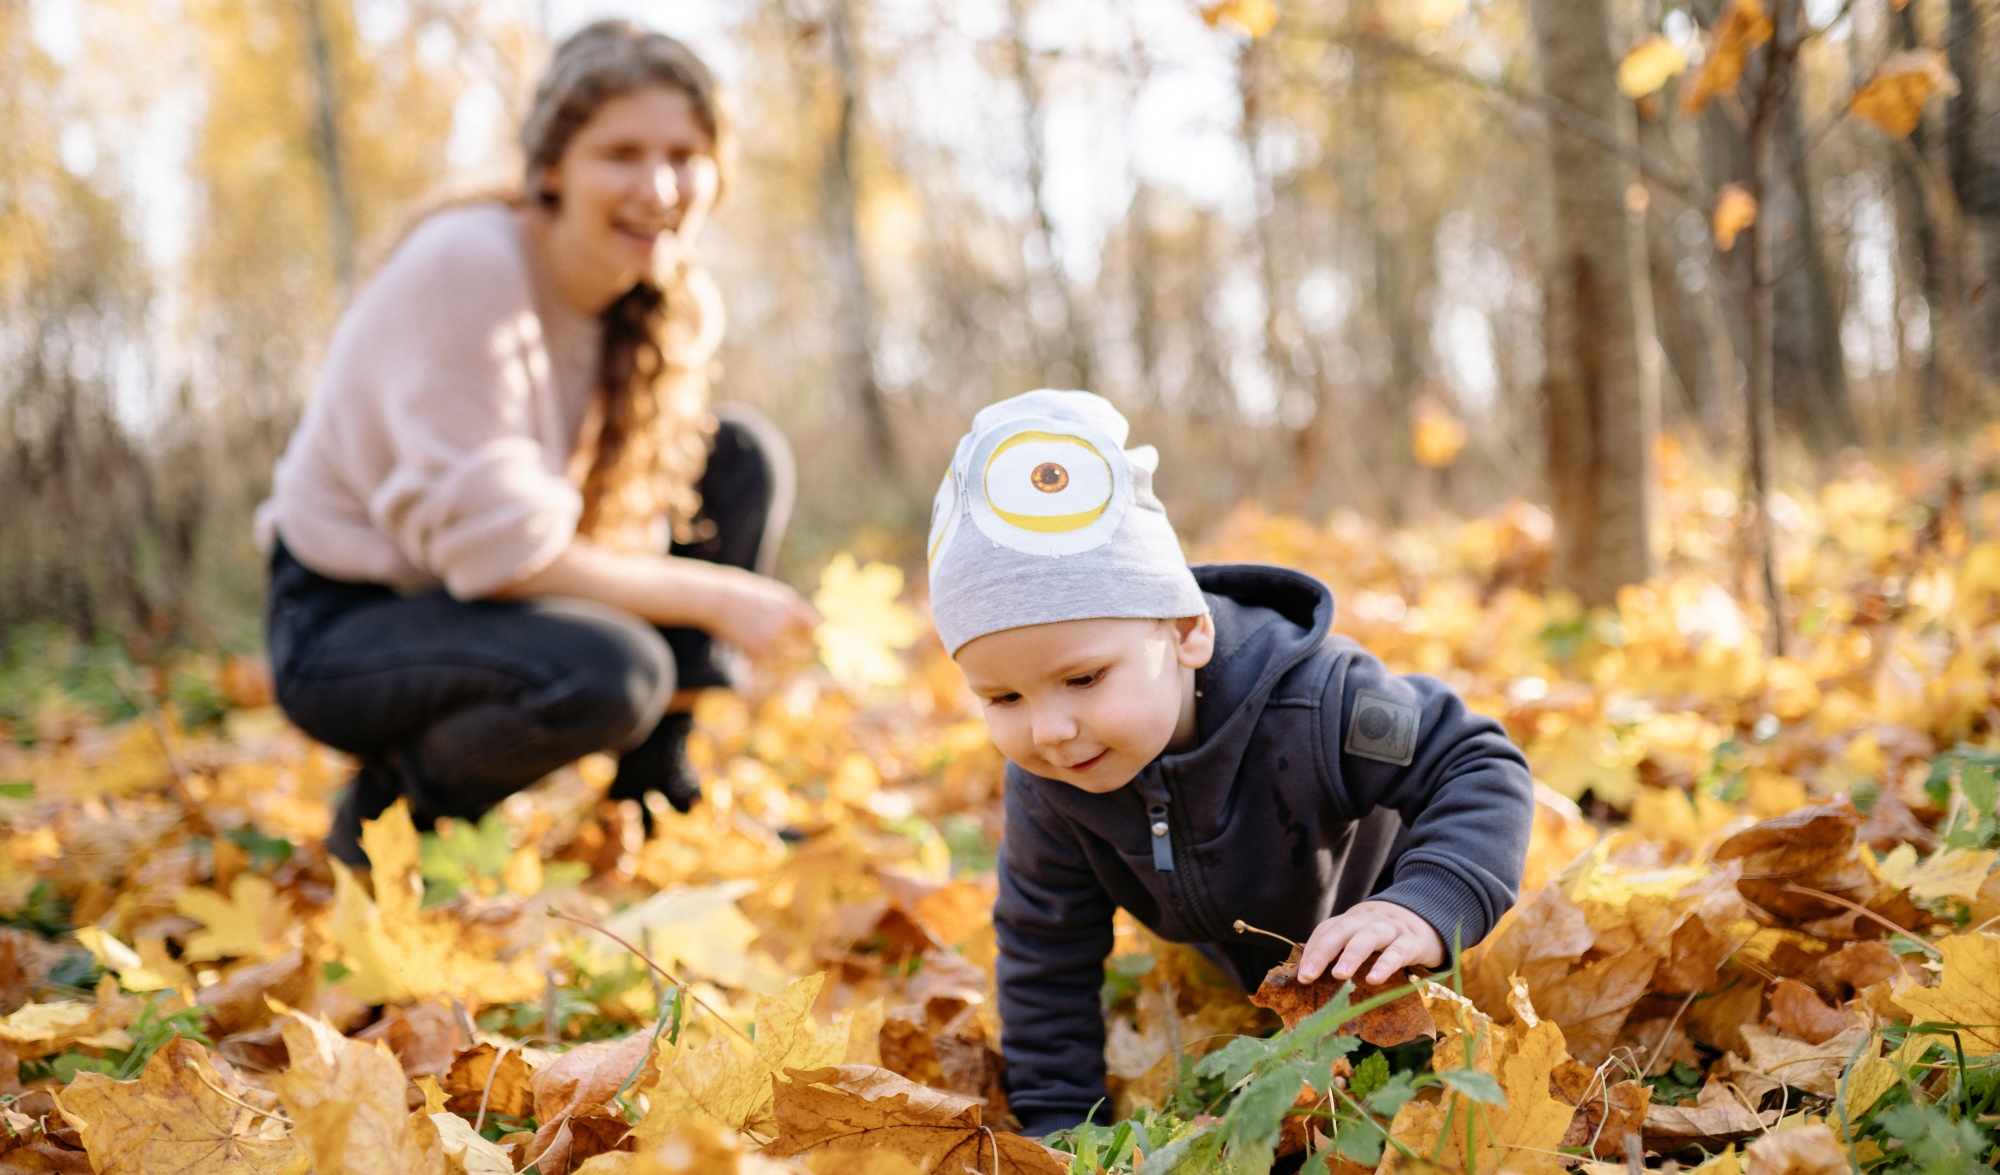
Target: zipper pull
(1163,844)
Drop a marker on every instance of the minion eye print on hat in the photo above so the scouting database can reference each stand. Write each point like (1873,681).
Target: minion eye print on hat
(1049,487)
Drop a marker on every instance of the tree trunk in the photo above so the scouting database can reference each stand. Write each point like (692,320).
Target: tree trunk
(1973,147)
(326,138)
(856,333)
(1810,386)
(1600,411)
(1070,367)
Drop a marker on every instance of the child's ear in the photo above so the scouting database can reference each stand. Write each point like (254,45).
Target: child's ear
(1194,640)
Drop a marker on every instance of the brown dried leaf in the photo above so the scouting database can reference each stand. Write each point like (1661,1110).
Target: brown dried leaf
(1591,1005)
(508,1092)
(1805,1150)
(1718,1116)
(1743,27)
(240,1002)
(1396,1022)
(1538,940)
(852,1108)
(1893,98)
(425,1037)
(1814,1068)
(1797,1010)
(347,1106)
(1605,1114)
(178,1117)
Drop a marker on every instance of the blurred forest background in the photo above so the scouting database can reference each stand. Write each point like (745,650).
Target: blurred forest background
(1317,251)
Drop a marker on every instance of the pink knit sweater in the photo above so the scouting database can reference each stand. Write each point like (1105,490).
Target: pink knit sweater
(440,443)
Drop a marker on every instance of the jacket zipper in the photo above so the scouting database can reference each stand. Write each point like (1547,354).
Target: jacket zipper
(1170,846)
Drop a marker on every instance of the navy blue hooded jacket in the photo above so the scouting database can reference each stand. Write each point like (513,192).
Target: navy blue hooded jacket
(1303,735)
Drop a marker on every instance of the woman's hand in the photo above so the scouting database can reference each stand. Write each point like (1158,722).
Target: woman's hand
(1346,941)
(761,616)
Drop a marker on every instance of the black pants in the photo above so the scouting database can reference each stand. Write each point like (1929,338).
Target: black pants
(461,704)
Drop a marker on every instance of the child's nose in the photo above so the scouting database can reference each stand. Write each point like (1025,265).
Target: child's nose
(1053,728)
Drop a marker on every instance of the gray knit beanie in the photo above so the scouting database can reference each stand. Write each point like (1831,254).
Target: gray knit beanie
(1065,524)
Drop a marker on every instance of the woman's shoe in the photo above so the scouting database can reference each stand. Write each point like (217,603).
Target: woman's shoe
(659,765)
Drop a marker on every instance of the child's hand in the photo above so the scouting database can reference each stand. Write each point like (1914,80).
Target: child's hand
(1402,938)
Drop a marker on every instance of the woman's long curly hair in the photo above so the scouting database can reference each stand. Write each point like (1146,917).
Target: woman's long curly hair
(660,337)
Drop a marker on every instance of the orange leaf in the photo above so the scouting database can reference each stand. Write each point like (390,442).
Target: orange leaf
(1742,28)
(1894,96)
(1735,210)
(1396,1022)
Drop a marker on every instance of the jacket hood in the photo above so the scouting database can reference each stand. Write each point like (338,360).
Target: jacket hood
(1267,620)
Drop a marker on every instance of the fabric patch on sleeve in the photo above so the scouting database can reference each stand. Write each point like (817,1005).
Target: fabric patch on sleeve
(1382,728)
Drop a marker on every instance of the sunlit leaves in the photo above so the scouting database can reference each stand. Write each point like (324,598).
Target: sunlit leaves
(1652,63)
(865,626)
(1742,27)
(1893,97)
(1735,210)
(1254,17)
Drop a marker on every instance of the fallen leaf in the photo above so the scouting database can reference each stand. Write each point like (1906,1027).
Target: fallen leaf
(581,1084)
(240,1002)
(851,1108)
(1719,1115)
(1948,873)
(1968,991)
(1862,964)
(1814,1068)
(484,1076)
(1893,97)
(347,1108)
(402,953)
(1649,65)
(181,1117)
(425,1037)
(1538,940)
(1805,1150)
(1591,1005)
(1797,1010)
(865,627)
(1397,1022)
(731,1086)
(1742,27)
(241,926)
(1814,847)
(133,972)
(466,1152)
(40,1030)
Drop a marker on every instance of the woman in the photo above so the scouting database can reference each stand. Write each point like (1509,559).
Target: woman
(466,584)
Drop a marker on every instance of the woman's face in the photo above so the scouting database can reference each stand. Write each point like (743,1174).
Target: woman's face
(639,176)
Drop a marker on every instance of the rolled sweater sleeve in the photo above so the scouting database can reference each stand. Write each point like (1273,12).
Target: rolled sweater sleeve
(1466,799)
(471,496)
(1053,922)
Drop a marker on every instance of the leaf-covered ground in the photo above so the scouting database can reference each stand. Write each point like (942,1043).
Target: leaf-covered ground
(1754,933)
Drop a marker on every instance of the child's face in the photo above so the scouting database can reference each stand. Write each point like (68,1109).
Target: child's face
(1088,702)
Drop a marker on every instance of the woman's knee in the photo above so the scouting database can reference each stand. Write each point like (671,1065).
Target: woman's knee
(621,679)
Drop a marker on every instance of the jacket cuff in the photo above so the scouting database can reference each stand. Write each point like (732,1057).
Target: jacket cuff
(1442,898)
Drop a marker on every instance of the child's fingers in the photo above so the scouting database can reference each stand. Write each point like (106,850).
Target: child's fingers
(1323,946)
(1396,956)
(1366,941)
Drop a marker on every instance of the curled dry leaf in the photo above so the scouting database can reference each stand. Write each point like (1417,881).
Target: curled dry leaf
(181,1117)
(1719,1116)
(1814,847)
(347,1107)
(1804,1150)
(1893,98)
(1797,1010)
(861,1108)
(1814,1068)
(425,1037)
(574,1099)
(472,1080)
(1605,1111)
(1862,964)
(241,1000)
(1743,27)
(1396,1022)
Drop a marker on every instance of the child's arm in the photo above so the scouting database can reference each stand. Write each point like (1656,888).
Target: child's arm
(1053,921)
(1466,798)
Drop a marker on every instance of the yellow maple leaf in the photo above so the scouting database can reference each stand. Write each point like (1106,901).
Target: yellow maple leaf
(400,952)
(1743,27)
(1255,17)
(40,1030)
(1523,1134)
(731,1086)
(1894,95)
(346,1103)
(181,1117)
(241,926)
(1968,991)
(865,628)
(1649,66)
(1948,873)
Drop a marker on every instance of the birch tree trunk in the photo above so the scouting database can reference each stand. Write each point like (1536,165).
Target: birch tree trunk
(1600,400)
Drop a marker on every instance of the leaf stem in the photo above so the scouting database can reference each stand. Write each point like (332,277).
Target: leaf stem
(648,961)
(1243,927)
(1867,913)
(225,1095)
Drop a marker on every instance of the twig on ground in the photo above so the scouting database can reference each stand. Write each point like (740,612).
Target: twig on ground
(648,961)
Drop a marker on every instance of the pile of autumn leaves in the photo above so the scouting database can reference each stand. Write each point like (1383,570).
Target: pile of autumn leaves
(1778,949)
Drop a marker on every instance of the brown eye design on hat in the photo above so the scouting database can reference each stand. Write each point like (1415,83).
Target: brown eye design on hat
(1049,477)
